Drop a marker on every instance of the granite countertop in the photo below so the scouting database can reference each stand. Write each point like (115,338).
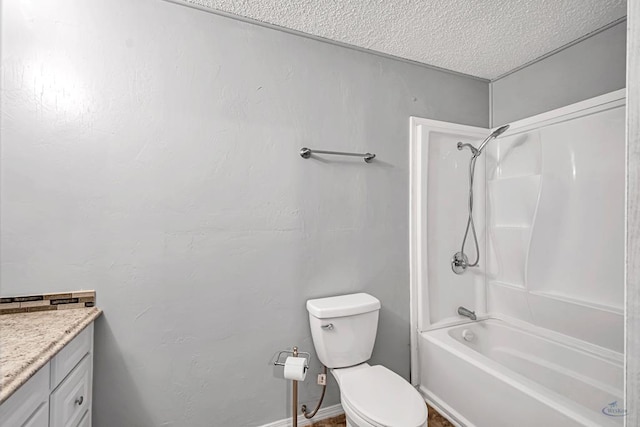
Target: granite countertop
(29,340)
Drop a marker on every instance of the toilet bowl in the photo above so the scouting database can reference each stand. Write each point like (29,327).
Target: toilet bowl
(377,396)
(344,331)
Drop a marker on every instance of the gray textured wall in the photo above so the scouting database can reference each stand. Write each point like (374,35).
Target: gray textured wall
(150,151)
(592,67)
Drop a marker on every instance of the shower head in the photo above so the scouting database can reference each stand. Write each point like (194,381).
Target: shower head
(496,133)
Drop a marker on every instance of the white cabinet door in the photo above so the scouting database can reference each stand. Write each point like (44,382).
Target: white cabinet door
(40,418)
(86,420)
(25,403)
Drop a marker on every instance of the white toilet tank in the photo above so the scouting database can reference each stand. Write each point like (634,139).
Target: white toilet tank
(344,328)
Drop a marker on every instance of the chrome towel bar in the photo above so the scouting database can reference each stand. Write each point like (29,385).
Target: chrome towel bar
(305,153)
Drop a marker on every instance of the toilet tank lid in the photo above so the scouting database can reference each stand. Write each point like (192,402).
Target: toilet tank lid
(343,305)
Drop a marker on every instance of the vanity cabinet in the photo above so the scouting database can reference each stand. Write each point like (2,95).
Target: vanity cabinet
(59,394)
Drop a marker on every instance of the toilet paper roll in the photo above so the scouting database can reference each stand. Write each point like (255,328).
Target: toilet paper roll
(295,368)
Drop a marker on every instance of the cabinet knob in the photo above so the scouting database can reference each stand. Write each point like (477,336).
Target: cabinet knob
(80,400)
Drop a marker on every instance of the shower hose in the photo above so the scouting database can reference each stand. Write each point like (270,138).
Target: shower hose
(470,224)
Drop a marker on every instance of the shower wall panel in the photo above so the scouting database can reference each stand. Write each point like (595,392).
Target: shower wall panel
(555,221)
(441,171)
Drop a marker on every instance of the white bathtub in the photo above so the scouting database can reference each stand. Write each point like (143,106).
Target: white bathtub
(509,376)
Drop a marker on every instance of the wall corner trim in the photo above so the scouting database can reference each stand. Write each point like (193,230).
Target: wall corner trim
(632,253)
(561,48)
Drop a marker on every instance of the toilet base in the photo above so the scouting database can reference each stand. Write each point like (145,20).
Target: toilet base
(353,419)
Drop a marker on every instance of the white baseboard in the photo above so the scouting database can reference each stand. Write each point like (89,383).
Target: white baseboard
(323,413)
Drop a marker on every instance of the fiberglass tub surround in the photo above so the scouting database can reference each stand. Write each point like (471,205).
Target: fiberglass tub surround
(555,227)
(548,291)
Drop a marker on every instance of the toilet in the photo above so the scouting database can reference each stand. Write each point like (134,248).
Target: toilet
(344,331)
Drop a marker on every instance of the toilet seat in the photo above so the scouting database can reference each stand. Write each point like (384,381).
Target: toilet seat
(382,397)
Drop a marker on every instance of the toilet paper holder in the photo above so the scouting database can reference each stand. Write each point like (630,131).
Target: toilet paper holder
(294,391)
(294,353)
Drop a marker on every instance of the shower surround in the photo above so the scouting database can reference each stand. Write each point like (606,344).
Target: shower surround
(549,209)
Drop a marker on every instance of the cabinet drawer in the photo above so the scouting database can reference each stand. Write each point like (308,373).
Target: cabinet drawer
(63,362)
(25,403)
(70,401)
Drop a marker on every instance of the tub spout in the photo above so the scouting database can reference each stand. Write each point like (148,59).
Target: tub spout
(468,313)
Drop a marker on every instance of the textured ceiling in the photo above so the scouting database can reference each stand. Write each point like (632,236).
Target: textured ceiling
(483,38)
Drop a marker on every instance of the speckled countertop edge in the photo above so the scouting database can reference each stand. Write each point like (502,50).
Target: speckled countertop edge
(46,354)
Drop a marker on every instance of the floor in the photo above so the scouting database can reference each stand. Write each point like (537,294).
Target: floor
(435,420)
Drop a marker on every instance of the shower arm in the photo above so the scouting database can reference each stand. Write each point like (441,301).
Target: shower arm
(473,149)
(477,151)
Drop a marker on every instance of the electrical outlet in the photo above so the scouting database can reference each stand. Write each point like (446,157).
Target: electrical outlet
(322,379)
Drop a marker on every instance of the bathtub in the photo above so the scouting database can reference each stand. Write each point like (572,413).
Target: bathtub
(492,373)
